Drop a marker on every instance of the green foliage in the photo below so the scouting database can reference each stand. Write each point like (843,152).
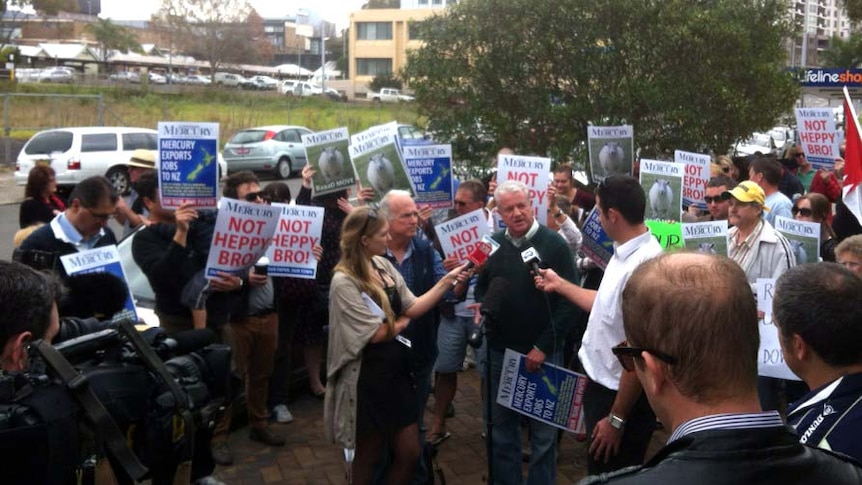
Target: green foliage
(111,36)
(843,53)
(854,9)
(689,75)
(373,4)
(381,81)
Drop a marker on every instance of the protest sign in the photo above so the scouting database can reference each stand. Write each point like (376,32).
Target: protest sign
(695,179)
(662,185)
(375,131)
(188,164)
(770,358)
(668,234)
(430,169)
(818,136)
(299,229)
(804,238)
(611,151)
(326,151)
(379,165)
(552,395)
(705,237)
(242,233)
(532,172)
(597,245)
(101,260)
(458,236)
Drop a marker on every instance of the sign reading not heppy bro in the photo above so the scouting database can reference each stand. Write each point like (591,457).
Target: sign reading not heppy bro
(459,236)
(291,252)
(242,233)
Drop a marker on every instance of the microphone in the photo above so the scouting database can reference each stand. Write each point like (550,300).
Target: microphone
(531,258)
(497,292)
(478,256)
(99,295)
(186,341)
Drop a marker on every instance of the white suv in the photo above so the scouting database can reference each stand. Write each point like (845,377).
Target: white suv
(78,153)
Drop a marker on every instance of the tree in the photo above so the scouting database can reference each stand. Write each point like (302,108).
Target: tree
(689,75)
(374,4)
(843,53)
(212,31)
(854,9)
(111,36)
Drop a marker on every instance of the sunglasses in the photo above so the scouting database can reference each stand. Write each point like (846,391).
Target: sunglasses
(372,214)
(626,355)
(253,196)
(716,199)
(804,212)
(798,155)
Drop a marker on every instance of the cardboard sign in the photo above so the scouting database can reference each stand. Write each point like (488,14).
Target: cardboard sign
(597,245)
(804,238)
(242,234)
(611,151)
(188,164)
(430,169)
(818,136)
(299,230)
(553,395)
(695,179)
(532,172)
(101,260)
(705,237)
(327,153)
(379,165)
(459,236)
(662,185)
(770,358)
(668,234)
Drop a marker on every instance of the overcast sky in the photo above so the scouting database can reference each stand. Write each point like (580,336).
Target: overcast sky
(333,10)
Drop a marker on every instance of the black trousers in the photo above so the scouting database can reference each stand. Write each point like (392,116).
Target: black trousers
(637,432)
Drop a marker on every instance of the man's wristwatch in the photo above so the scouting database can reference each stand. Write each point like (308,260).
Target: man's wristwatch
(616,421)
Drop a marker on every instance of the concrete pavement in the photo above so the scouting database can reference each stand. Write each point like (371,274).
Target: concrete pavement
(9,192)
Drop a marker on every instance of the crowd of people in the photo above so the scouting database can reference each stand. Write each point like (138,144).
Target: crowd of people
(666,340)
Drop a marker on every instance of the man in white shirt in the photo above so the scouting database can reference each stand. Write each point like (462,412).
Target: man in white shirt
(619,420)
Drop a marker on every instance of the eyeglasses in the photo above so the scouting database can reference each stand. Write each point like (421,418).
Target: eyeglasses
(803,211)
(372,214)
(97,216)
(797,155)
(626,355)
(253,196)
(716,199)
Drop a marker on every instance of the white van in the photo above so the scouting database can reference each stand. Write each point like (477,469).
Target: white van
(228,79)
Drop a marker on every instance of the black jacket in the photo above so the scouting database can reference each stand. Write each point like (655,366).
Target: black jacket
(748,456)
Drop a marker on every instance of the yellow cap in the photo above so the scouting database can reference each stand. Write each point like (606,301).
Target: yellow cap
(747,191)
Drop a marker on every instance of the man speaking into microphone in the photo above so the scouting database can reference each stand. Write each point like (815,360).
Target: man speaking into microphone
(528,322)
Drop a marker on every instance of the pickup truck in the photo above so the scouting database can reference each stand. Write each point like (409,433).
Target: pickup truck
(388,95)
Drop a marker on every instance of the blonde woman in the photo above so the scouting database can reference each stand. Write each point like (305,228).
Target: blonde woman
(370,393)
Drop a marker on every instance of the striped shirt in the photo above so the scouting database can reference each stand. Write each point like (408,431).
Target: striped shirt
(739,250)
(769,419)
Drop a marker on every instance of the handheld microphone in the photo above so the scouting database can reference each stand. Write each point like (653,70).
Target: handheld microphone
(531,258)
(478,256)
(491,306)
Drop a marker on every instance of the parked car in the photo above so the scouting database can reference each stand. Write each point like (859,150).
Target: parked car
(125,77)
(198,80)
(262,83)
(57,74)
(300,88)
(277,149)
(156,78)
(81,152)
(388,95)
(229,79)
(757,142)
(335,94)
(783,137)
(410,135)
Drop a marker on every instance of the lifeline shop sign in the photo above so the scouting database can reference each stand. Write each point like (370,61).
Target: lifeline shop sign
(830,78)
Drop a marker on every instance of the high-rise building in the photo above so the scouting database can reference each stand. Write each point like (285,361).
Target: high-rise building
(820,21)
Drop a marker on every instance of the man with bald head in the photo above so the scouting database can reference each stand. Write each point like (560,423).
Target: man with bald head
(692,340)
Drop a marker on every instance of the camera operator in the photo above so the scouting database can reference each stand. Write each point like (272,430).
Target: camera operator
(36,445)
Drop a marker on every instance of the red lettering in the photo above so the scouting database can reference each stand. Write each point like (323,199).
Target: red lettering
(527,178)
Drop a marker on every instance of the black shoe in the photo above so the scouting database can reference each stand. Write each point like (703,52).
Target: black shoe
(265,436)
(221,453)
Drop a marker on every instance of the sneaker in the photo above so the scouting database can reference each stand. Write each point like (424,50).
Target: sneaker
(265,436)
(221,453)
(208,480)
(282,414)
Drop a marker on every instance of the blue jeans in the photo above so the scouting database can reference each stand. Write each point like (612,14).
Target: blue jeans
(507,439)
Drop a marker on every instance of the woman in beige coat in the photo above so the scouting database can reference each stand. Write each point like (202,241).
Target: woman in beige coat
(370,393)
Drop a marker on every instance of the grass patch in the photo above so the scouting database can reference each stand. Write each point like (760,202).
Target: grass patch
(47,106)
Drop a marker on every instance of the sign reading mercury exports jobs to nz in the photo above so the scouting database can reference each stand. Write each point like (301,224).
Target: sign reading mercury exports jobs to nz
(188,164)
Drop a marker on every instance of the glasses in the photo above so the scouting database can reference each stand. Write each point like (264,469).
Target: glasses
(798,155)
(97,216)
(803,211)
(460,203)
(372,214)
(626,355)
(725,169)
(253,196)
(716,199)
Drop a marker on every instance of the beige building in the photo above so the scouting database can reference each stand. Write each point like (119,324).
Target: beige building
(379,40)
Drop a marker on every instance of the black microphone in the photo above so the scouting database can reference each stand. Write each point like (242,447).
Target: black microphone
(497,293)
(186,341)
(531,258)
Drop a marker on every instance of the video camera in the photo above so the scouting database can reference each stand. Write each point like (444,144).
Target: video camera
(140,399)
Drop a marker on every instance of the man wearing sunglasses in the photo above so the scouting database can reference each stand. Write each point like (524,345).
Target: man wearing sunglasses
(692,340)
(619,420)
(82,226)
(716,203)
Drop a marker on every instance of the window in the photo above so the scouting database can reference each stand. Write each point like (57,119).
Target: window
(99,142)
(374,31)
(290,136)
(373,67)
(48,143)
(133,141)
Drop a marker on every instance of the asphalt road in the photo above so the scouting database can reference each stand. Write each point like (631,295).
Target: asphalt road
(9,219)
